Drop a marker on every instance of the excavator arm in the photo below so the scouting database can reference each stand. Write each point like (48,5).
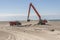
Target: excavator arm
(42,22)
(34,10)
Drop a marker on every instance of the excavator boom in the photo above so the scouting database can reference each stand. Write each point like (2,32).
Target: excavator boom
(40,20)
(34,10)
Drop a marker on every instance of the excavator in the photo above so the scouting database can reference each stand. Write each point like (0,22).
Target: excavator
(12,23)
(41,22)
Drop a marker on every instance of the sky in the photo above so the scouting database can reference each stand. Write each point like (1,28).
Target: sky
(18,9)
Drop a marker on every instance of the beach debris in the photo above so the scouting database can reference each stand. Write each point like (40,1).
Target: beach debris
(52,30)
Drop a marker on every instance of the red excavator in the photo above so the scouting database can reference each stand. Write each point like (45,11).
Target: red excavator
(12,23)
(42,22)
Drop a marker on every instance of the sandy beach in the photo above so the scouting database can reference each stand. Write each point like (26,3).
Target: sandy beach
(30,31)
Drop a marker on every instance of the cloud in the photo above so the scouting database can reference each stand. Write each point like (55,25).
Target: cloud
(11,16)
(49,14)
(5,15)
(16,15)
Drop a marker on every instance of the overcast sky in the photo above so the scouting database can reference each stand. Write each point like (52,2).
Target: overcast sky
(18,9)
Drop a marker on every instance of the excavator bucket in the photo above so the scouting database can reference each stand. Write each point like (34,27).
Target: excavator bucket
(28,20)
